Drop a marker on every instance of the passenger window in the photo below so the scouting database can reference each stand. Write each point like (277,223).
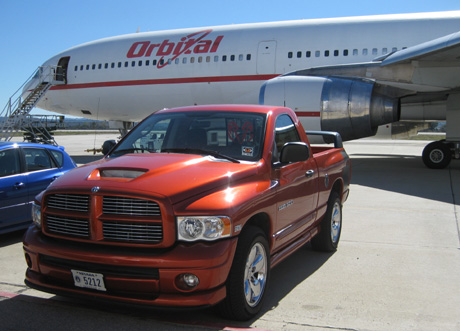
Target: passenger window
(248,57)
(336,52)
(224,58)
(365,51)
(308,54)
(37,159)
(76,68)
(317,54)
(299,54)
(355,52)
(240,57)
(326,53)
(374,51)
(345,52)
(285,131)
(290,55)
(216,58)
(232,58)
(59,157)
(9,162)
(99,66)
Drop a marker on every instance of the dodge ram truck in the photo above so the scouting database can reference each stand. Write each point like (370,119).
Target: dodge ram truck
(192,208)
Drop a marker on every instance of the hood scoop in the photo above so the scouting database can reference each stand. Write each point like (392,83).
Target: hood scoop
(123,174)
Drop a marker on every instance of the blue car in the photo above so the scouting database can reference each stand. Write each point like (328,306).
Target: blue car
(25,170)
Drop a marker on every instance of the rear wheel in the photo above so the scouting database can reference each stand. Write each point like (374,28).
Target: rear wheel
(437,155)
(328,238)
(248,276)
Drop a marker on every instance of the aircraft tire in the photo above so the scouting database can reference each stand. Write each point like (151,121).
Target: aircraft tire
(437,155)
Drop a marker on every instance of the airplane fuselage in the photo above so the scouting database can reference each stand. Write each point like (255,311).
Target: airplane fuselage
(127,77)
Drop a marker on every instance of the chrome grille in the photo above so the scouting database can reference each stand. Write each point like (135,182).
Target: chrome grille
(132,232)
(67,226)
(130,206)
(72,202)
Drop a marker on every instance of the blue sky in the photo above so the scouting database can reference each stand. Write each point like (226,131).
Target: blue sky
(33,31)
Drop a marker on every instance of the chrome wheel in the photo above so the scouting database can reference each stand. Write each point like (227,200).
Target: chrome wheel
(255,274)
(336,222)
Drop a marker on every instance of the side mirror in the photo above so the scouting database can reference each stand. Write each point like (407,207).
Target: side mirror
(107,146)
(294,152)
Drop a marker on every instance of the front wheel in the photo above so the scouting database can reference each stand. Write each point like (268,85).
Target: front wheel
(248,276)
(328,238)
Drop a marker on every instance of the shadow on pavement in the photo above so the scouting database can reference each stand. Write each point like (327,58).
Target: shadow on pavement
(404,174)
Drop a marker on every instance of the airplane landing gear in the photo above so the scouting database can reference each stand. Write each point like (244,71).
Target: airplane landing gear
(438,154)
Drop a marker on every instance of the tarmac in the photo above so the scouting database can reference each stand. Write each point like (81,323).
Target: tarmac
(397,266)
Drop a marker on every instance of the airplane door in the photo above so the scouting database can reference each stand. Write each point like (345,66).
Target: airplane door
(266,56)
(61,72)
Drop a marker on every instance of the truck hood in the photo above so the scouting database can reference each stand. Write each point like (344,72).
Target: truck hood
(172,176)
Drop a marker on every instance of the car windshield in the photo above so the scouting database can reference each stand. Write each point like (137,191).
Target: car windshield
(230,136)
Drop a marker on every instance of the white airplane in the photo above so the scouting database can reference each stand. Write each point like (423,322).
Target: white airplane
(349,75)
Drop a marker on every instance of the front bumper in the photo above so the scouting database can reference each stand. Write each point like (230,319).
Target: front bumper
(131,275)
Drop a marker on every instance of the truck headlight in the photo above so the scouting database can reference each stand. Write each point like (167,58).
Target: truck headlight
(191,228)
(37,215)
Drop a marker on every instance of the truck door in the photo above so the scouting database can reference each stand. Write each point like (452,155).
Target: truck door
(297,190)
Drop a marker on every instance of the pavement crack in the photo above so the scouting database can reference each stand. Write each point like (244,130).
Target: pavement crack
(23,287)
(320,326)
(452,190)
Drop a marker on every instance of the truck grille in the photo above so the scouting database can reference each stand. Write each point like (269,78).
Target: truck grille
(123,219)
(130,206)
(72,202)
(67,226)
(133,232)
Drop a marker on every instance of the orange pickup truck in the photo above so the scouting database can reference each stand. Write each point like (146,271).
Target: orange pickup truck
(192,208)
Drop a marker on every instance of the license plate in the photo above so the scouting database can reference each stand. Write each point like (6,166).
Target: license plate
(86,279)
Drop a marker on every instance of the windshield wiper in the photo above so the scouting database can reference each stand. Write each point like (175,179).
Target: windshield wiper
(130,150)
(200,151)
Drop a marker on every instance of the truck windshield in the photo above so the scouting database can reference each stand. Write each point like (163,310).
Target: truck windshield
(225,135)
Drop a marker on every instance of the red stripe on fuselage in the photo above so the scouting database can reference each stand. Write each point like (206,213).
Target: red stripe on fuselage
(308,113)
(165,81)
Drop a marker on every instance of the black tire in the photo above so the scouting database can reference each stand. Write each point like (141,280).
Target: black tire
(247,276)
(437,155)
(328,238)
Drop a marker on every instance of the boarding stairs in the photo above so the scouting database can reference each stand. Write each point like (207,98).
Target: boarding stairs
(16,117)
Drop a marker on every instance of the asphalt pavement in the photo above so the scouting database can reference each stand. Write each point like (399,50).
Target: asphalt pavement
(397,266)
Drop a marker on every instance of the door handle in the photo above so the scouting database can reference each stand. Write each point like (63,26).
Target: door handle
(18,186)
(310,173)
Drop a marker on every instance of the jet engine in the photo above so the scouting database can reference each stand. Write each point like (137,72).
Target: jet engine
(353,107)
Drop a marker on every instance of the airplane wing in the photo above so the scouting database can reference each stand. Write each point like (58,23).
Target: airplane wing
(432,66)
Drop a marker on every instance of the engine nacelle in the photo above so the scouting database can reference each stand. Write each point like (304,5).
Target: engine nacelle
(353,107)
